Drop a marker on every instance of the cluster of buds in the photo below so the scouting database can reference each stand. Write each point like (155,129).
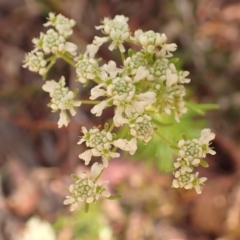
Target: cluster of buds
(61,99)
(86,189)
(54,41)
(144,87)
(191,154)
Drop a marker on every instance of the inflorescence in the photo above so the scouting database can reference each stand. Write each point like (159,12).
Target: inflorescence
(146,84)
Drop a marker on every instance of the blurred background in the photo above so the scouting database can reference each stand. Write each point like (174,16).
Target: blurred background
(37,158)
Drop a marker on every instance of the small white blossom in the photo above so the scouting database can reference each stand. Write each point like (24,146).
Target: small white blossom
(188,181)
(100,144)
(86,189)
(35,62)
(61,99)
(206,137)
(141,127)
(191,153)
(190,150)
(171,101)
(138,66)
(86,68)
(62,24)
(182,77)
(151,40)
(167,49)
(121,92)
(185,165)
(117,30)
(53,42)
(129,146)
(91,50)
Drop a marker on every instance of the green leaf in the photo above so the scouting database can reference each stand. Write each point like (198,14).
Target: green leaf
(204,163)
(114,197)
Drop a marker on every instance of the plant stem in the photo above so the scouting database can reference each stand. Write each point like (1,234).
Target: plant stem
(89,102)
(68,60)
(163,138)
(111,127)
(122,56)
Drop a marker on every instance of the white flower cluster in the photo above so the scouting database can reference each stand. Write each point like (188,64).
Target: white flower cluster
(54,41)
(117,30)
(61,99)
(145,86)
(190,155)
(86,189)
(100,144)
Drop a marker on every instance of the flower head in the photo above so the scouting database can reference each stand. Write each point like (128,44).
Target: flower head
(35,62)
(62,24)
(86,189)
(117,30)
(86,68)
(61,99)
(188,181)
(100,144)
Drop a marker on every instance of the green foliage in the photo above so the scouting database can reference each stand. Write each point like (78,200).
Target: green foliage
(84,226)
(160,153)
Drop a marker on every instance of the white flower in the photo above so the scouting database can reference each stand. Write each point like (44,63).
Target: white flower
(167,49)
(86,189)
(190,150)
(206,137)
(117,30)
(71,48)
(171,78)
(35,62)
(171,100)
(96,170)
(185,165)
(111,69)
(86,68)
(188,181)
(53,42)
(149,40)
(63,119)
(98,108)
(100,144)
(121,92)
(182,77)
(61,99)
(137,66)
(92,49)
(129,146)
(62,24)
(141,127)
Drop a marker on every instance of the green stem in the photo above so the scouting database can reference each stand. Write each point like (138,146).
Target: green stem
(122,56)
(53,60)
(68,60)
(89,101)
(95,180)
(111,127)
(163,139)
(158,123)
